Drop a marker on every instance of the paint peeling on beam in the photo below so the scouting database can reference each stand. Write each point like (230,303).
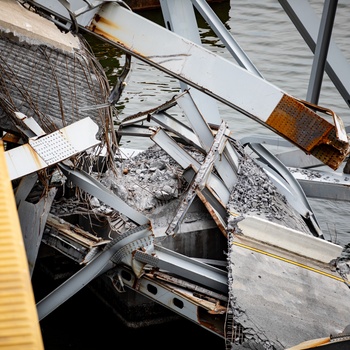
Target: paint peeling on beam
(294,120)
(218,77)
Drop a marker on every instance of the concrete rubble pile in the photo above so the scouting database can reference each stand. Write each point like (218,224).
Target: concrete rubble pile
(60,86)
(255,194)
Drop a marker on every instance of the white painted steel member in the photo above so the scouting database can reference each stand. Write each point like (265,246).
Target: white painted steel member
(218,77)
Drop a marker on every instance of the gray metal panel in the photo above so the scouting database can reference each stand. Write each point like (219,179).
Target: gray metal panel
(323,184)
(33,220)
(177,128)
(25,186)
(164,141)
(298,159)
(95,188)
(190,269)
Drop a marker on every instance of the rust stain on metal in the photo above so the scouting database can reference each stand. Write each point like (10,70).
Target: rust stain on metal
(298,123)
(212,213)
(306,129)
(95,27)
(97,30)
(116,41)
(35,156)
(12,138)
(215,322)
(214,308)
(213,327)
(99,19)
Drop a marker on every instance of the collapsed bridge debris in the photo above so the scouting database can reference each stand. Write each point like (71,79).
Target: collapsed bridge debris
(193,223)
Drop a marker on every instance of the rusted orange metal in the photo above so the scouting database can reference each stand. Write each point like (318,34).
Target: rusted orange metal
(11,138)
(306,129)
(293,119)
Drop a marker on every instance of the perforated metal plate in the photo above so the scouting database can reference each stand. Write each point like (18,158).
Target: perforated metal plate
(53,147)
(43,151)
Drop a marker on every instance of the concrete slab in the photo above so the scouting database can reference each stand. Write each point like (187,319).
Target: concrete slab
(279,299)
(27,26)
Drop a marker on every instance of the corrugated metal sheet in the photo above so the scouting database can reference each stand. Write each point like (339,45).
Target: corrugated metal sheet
(19,325)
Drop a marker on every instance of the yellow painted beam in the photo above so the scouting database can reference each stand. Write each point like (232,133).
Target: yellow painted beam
(311,344)
(19,323)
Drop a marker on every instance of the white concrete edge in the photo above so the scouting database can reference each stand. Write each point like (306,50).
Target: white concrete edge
(33,29)
(289,239)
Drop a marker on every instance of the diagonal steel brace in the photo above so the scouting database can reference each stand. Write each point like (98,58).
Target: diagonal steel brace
(200,180)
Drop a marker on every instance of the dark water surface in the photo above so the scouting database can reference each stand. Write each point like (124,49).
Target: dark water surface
(265,32)
(85,323)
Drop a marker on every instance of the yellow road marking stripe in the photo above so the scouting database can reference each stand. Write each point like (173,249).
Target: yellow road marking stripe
(288,261)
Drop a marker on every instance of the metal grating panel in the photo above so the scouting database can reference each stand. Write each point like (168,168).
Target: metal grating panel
(298,123)
(311,133)
(53,147)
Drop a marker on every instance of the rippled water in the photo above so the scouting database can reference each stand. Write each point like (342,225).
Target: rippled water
(271,41)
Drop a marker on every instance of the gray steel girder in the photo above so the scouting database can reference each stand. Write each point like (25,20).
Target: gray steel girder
(107,259)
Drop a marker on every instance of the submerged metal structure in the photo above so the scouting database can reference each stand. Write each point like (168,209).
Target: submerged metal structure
(157,223)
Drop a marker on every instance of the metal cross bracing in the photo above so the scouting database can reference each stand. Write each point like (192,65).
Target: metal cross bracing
(178,54)
(256,98)
(135,249)
(305,20)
